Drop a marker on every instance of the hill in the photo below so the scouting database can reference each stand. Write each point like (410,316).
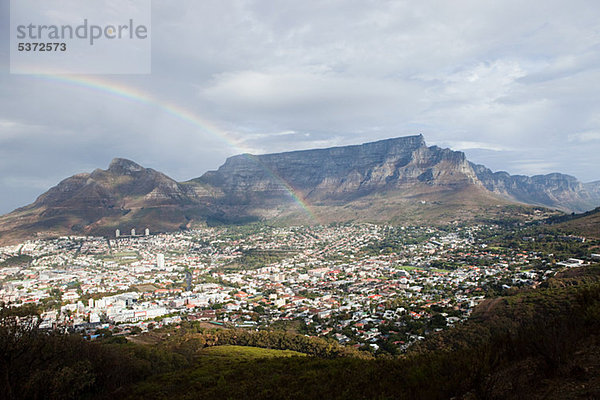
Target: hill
(395,180)
(585,224)
(245,353)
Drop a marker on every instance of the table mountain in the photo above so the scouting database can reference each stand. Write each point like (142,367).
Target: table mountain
(393,180)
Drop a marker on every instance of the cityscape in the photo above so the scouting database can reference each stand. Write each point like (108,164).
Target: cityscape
(363,285)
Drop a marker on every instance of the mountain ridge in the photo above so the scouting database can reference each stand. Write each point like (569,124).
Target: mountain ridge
(550,190)
(397,179)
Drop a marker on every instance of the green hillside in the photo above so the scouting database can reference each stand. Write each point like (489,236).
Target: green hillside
(246,352)
(586,224)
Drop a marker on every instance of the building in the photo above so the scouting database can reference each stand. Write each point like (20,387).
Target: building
(132,231)
(117,233)
(147,232)
(160,260)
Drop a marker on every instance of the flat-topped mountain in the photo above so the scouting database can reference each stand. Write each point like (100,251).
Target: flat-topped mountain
(340,173)
(391,180)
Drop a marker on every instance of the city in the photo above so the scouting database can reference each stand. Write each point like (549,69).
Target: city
(364,285)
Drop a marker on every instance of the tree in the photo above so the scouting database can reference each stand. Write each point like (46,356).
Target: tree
(18,334)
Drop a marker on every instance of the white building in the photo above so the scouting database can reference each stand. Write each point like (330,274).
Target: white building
(160,260)
(94,318)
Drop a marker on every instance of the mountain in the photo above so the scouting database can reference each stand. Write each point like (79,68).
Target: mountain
(340,173)
(393,180)
(593,188)
(563,192)
(124,196)
(397,180)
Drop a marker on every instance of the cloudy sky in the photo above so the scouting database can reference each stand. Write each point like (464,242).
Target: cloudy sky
(514,84)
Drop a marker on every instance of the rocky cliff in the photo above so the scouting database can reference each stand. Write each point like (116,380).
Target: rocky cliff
(395,180)
(593,188)
(340,173)
(554,190)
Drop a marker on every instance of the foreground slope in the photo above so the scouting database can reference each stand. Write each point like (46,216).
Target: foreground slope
(534,343)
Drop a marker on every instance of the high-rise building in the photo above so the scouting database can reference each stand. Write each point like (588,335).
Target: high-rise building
(132,231)
(117,233)
(147,232)
(160,260)
(94,318)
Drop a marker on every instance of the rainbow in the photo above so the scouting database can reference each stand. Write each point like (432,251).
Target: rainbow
(136,95)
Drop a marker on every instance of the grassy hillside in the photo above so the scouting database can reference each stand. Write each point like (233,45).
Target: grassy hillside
(586,224)
(245,353)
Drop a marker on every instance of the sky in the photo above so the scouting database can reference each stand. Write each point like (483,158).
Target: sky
(513,84)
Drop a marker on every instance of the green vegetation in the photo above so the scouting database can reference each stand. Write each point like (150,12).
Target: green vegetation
(192,338)
(19,260)
(407,267)
(246,353)
(254,259)
(396,239)
(35,364)
(582,224)
(544,239)
(443,266)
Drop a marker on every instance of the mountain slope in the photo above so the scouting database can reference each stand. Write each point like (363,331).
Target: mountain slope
(593,188)
(125,195)
(395,180)
(340,173)
(555,190)
(586,224)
